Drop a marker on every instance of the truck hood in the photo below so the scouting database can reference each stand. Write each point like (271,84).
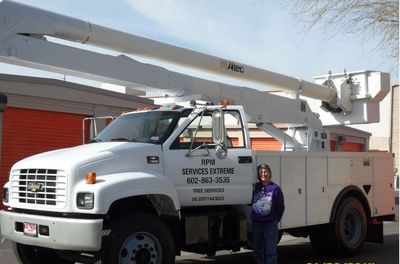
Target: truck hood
(76,156)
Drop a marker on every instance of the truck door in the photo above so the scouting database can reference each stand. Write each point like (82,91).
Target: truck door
(200,177)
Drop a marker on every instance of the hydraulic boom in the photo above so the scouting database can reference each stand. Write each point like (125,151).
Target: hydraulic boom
(347,99)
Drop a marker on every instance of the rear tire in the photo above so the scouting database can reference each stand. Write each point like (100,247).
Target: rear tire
(349,228)
(139,237)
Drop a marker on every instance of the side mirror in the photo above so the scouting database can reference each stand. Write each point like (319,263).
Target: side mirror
(218,132)
(218,127)
(221,151)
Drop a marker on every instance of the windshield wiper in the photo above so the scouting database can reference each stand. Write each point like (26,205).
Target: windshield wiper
(122,139)
(95,140)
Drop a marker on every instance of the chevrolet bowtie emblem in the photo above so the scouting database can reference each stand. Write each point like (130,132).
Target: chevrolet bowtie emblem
(35,186)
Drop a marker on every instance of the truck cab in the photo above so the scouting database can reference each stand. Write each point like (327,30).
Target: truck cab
(200,169)
(163,161)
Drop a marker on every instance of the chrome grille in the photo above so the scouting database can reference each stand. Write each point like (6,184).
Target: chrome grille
(39,187)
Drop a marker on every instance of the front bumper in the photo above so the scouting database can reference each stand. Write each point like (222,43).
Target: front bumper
(64,233)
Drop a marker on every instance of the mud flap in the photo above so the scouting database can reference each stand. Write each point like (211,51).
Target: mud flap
(375,231)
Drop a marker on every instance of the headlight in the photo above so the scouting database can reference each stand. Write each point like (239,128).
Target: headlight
(5,195)
(85,200)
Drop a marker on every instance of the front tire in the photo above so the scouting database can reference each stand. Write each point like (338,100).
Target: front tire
(139,238)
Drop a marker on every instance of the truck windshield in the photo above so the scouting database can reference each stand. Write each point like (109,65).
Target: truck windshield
(149,127)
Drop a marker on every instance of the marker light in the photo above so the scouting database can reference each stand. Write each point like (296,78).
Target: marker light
(225,102)
(90,177)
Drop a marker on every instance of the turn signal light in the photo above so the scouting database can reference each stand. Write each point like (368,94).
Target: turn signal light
(90,177)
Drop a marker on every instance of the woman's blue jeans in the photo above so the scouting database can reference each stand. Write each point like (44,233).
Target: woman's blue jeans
(265,238)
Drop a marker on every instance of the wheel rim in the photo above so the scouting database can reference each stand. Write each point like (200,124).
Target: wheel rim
(352,227)
(140,248)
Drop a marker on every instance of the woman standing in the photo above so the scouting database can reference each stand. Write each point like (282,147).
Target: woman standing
(267,211)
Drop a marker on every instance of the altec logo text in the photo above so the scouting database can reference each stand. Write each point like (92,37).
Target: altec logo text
(231,66)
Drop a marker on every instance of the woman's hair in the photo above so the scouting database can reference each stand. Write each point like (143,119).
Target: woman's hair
(265,167)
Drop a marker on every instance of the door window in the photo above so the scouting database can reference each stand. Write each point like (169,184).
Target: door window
(199,132)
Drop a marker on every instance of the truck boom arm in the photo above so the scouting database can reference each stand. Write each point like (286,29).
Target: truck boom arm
(34,52)
(37,21)
(22,42)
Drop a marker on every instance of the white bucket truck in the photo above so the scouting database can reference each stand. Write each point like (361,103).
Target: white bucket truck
(156,182)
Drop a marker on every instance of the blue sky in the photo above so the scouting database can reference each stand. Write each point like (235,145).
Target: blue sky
(255,32)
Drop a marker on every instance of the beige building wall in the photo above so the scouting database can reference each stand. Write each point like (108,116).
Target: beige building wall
(395,133)
(379,143)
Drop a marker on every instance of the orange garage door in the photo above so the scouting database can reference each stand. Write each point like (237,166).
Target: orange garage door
(266,144)
(27,132)
(352,147)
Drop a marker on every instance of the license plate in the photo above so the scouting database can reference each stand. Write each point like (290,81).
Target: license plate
(30,229)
